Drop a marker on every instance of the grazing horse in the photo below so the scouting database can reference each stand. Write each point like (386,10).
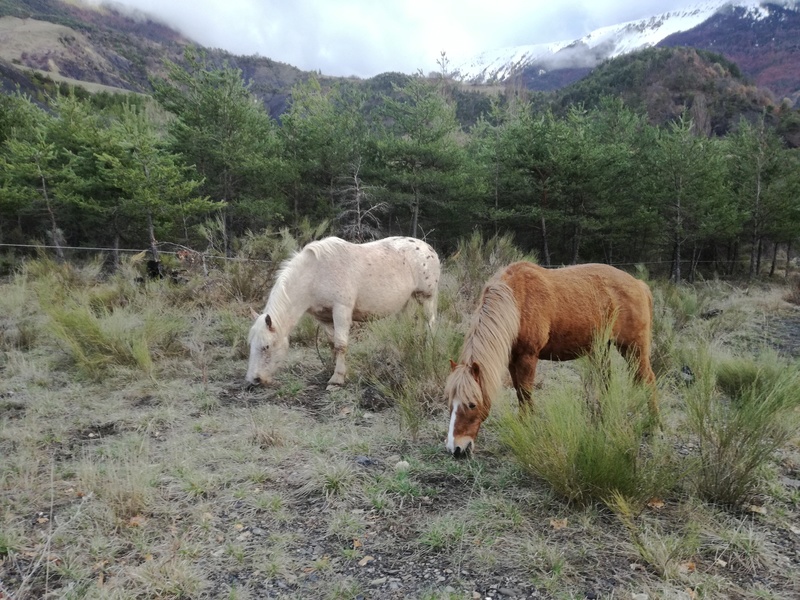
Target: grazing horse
(527,313)
(337,283)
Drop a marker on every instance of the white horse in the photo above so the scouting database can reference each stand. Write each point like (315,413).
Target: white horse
(337,283)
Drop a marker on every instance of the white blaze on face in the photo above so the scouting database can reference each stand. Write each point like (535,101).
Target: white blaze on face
(451,442)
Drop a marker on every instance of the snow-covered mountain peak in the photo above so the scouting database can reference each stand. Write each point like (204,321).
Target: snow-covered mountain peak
(600,44)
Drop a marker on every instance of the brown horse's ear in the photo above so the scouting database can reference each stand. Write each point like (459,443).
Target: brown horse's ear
(475,370)
(268,321)
(253,313)
(453,365)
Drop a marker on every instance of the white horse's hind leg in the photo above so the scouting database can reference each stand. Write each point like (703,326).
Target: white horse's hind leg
(342,319)
(429,306)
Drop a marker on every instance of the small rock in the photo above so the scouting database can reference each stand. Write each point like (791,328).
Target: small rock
(379,581)
(450,589)
(394,586)
(640,597)
(402,466)
(507,592)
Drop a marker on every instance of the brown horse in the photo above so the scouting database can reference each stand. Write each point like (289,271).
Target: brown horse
(526,313)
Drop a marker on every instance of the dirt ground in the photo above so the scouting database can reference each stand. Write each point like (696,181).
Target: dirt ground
(296,492)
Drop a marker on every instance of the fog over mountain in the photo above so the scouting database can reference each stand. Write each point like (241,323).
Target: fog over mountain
(364,38)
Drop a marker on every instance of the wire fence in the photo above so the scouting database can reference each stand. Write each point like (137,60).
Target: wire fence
(205,255)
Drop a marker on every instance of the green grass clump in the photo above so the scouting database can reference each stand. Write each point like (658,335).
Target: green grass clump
(408,362)
(588,440)
(116,338)
(740,414)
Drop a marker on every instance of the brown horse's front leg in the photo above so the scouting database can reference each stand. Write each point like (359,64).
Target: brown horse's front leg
(523,372)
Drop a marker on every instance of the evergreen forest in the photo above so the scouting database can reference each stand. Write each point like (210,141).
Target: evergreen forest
(201,164)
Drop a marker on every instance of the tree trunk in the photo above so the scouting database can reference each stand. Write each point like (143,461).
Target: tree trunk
(545,248)
(788,260)
(774,259)
(116,252)
(576,242)
(758,255)
(415,214)
(226,244)
(676,261)
(151,232)
(734,258)
(54,231)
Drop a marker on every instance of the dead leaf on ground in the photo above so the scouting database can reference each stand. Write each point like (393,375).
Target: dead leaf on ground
(136,521)
(558,523)
(761,510)
(795,530)
(365,561)
(655,503)
(356,544)
(688,567)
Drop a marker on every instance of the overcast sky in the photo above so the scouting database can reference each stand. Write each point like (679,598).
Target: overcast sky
(368,37)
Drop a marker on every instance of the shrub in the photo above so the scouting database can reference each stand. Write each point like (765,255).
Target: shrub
(476,260)
(587,440)
(407,362)
(739,414)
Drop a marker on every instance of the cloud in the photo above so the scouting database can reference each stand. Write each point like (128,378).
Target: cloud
(367,37)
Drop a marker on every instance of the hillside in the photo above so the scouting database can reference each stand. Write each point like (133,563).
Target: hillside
(664,81)
(101,46)
(767,50)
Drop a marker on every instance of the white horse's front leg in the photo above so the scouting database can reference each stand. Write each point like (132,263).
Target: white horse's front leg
(342,319)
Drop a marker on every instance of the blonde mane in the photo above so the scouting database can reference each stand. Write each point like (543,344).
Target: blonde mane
(279,301)
(494,327)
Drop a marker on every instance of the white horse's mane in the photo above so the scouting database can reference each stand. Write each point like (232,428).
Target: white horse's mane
(279,302)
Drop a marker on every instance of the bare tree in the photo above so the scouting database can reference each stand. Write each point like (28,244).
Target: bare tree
(358,217)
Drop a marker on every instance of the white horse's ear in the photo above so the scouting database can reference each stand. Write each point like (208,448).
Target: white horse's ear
(453,365)
(268,321)
(253,313)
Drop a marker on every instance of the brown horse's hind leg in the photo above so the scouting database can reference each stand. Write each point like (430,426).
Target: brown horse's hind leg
(523,372)
(644,373)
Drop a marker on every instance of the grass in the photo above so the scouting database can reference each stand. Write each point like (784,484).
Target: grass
(586,438)
(740,413)
(172,480)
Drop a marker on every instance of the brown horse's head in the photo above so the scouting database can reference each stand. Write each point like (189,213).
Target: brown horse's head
(268,348)
(466,405)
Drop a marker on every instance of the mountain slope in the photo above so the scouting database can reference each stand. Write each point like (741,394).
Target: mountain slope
(665,82)
(766,49)
(102,48)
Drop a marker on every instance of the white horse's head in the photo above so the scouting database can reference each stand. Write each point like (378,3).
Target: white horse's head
(267,350)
